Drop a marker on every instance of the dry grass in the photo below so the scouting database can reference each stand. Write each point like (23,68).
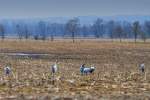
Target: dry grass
(116,75)
(65,46)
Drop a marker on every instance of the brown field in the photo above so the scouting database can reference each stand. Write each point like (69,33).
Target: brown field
(116,76)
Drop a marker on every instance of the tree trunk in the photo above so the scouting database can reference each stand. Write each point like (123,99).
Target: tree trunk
(52,38)
(73,37)
(135,37)
(120,40)
(144,40)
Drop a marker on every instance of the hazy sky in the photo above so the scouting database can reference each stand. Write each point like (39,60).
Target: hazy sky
(48,8)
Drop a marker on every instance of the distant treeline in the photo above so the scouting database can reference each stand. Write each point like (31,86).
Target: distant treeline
(42,30)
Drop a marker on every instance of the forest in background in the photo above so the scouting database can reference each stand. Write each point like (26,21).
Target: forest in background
(73,28)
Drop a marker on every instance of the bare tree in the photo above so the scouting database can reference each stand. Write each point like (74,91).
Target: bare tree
(85,31)
(19,31)
(42,30)
(119,32)
(143,36)
(136,29)
(72,27)
(26,32)
(2,32)
(49,31)
(127,30)
(98,28)
(52,30)
(147,27)
(110,26)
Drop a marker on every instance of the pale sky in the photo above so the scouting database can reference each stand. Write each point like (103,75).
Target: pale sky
(60,8)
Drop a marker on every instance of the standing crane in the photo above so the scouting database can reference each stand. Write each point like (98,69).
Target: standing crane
(7,70)
(54,69)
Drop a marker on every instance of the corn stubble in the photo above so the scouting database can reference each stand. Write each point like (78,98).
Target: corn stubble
(116,75)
